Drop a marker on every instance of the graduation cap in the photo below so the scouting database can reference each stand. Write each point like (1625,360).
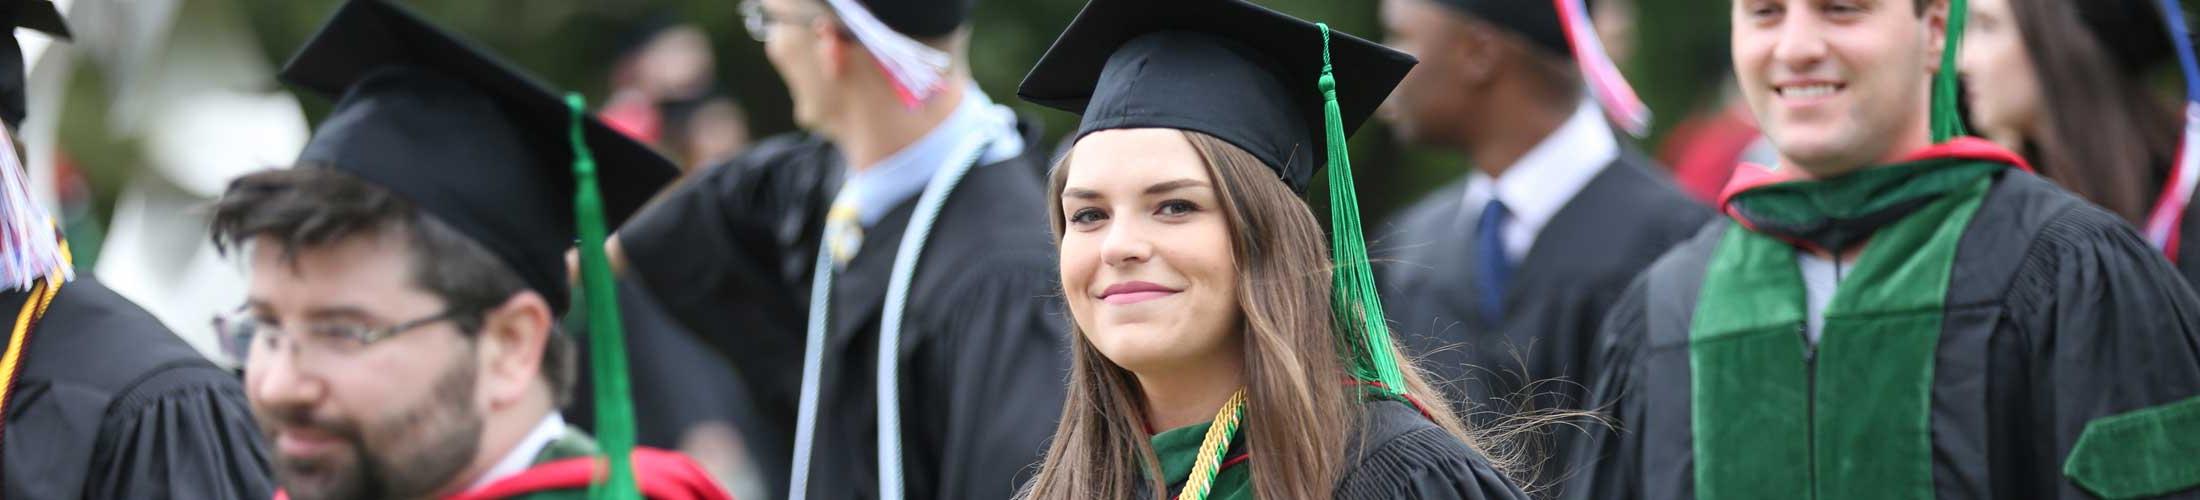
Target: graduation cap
(38,15)
(466,137)
(921,18)
(479,145)
(1535,20)
(1262,80)
(1230,69)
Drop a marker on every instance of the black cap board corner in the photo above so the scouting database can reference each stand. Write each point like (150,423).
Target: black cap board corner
(470,140)
(1227,68)
(36,15)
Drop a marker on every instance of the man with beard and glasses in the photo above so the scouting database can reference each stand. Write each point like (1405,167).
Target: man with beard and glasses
(1499,279)
(406,278)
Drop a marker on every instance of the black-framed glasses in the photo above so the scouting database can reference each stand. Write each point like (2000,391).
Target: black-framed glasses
(244,334)
(759,20)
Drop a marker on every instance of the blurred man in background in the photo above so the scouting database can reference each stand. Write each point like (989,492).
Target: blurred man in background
(686,397)
(1499,279)
(784,258)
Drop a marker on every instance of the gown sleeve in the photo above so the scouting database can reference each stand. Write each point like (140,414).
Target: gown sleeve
(1000,359)
(710,252)
(1607,458)
(1426,464)
(185,432)
(2113,340)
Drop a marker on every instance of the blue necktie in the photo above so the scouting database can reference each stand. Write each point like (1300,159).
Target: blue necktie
(1492,270)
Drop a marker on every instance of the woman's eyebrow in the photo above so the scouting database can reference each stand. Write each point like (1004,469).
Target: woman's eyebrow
(1174,185)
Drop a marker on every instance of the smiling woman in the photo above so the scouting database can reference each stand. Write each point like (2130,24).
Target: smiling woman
(1209,359)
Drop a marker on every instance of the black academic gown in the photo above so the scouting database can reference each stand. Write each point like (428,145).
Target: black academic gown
(1399,454)
(2059,314)
(2188,247)
(110,404)
(1584,257)
(676,381)
(730,254)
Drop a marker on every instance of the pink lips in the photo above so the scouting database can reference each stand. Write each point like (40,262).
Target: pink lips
(303,443)
(1134,292)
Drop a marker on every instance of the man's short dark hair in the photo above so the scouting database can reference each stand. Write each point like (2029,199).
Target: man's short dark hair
(311,206)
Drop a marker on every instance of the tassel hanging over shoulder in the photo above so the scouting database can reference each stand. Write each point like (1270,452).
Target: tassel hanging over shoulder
(1359,309)
(1605,82)
(607,335)
(32,247)
(2169,211)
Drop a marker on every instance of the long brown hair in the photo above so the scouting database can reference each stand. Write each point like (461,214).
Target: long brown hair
(2104,133)
(1301,410)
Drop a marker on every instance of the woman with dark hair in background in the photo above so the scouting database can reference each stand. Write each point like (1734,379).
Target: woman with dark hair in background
(2068,84)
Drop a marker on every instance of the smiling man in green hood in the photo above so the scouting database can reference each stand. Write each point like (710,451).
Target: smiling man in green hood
(1886,317)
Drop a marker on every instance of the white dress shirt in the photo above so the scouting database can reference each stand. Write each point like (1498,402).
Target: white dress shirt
(1534,188)
(522,457)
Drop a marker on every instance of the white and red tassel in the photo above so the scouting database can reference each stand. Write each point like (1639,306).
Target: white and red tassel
(916,70)
(30,247)
(2169,209)
(1604,79)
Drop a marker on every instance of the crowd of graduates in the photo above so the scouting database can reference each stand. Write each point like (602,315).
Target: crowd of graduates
(1929,249)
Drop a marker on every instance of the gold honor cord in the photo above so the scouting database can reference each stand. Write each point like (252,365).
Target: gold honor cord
(34,309)
(1212,447)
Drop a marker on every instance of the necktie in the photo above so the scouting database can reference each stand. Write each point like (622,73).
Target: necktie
(1493,271)
(843,227)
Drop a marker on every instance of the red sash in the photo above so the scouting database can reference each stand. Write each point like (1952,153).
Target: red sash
(661,475)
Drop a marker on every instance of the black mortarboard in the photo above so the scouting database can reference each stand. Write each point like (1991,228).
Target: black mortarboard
(1535,20)
(469,139)
(1226,68)
(1264,81)
(920,18)
(38,15)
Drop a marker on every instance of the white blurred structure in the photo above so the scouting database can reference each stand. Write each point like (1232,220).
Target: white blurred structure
(188,82)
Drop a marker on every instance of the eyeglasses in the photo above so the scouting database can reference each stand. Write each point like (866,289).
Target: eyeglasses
(759,21)
(244,335)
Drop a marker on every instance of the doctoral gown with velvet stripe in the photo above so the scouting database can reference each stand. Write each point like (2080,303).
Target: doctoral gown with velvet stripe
(2067,364)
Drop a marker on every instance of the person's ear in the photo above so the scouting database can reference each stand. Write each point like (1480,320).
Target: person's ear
(1936,34)
(1476,51)
(512,339)
(833,46)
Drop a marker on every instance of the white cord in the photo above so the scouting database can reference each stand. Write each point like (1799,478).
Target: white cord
(929,206)
(897,297)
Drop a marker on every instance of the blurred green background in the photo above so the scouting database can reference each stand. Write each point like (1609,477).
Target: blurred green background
(1677,66)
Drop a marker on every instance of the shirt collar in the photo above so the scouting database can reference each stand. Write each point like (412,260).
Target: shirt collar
(522,456)
(903,174)
(1542,181)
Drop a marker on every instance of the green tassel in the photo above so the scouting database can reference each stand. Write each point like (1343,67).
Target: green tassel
(1358,308)
(607,339)
(1947,118)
